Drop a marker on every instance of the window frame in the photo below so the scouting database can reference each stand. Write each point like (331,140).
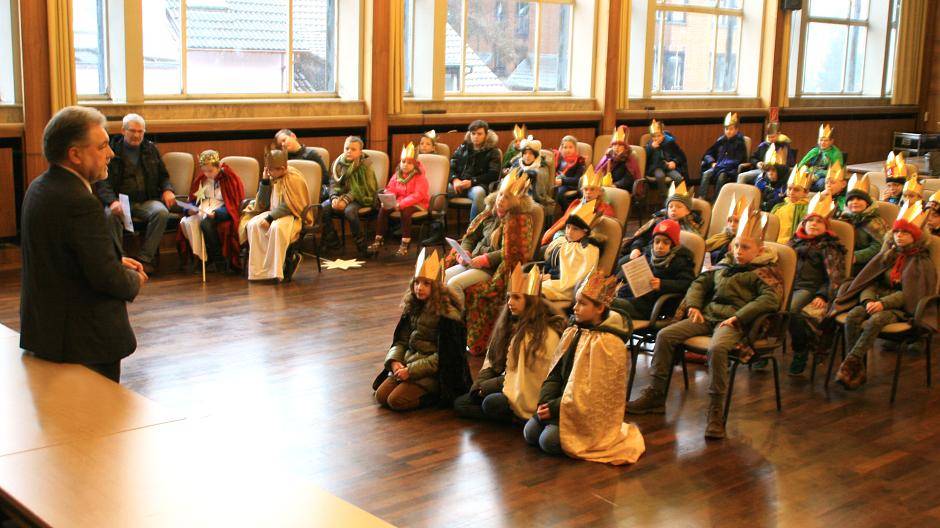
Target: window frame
(105,58)
(894,23)
(15,92)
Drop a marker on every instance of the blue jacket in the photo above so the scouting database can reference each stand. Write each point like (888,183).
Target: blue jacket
(726,153)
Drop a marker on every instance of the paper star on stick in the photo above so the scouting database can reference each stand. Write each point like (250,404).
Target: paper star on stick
(200,194)
(342,264)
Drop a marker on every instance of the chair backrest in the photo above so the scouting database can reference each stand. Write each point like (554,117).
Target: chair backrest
(613,234)
(586,151)
(877,178)
(772,228)
(640,153)
(644,139)
(248,169)
(747,144)
(723,204)
(443,149)
(379,162)
(538,222)
(324,155)
(705,212)
(313,175)
(436,169)
(548,159)
(181,166)
(931,185)
(888,212)
(933,245)
(696,245)
(601,143)
(845,232)
(619,199)
(786,262)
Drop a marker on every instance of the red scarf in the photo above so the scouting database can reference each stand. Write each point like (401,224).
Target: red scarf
(899,263)
(569,162)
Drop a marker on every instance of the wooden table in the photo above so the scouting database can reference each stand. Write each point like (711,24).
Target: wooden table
(879,166)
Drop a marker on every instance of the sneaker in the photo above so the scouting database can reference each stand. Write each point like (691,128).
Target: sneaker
(797,364)
(651,401)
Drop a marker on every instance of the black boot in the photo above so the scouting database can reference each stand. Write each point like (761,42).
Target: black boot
(362,250)
(436,236)
(329,239)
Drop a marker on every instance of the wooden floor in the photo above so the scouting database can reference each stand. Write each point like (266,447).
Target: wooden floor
(293,364)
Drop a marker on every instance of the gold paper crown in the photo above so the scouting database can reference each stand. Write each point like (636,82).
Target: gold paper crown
(514,184)
(430,268)
(591,178)
(408,153)
(619,135)
(859,184)
(731,119)
(912,186)
(738,205)
(431,134)
(209,157)
(677,190)
(821,205)
(825,131)
(751,225)
(518,132)
(599,287)
(275,157)
(526,283)
(913,212)
(903,169)
(835,172)
(775,156)
(586,211)
(799,177)
(935,197)
(656,127)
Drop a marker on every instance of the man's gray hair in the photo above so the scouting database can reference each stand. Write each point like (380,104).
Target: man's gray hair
(132,118)
(68,128)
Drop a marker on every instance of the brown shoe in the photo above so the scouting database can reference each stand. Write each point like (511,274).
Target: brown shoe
(851,373)
(149,269)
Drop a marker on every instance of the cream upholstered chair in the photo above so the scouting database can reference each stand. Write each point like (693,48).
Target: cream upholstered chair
(888,212)
(586,151)
(772,228)
(705,212)
(313,176)
(619,199)
(181,166)
(723,204)
(248,169)
(436,170)
(378,160)
(443,149)
(601,144)
(325,156)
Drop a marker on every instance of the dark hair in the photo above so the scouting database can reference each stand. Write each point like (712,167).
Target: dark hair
(67,128)
(478,123)
(509,331)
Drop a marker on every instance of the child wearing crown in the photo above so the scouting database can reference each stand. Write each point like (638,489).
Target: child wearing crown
(886,291)
(580,406)
(770,182)
(352,187)
(912,190)
(569,258)
(862,212)
(569,167)
(518,357)
(426,361)
(792,209)
(820,270)
(515,146)
(721,161)
(774,141)
(529,163)
(933,214)
(673,271)
(664,158)
(836,185)
(819,158)
(718,244)
(723,303)
(428,143)
(211,231)
(678,208)
(410,188)
(274,218)
(592,189)
(620,162)
(896,173)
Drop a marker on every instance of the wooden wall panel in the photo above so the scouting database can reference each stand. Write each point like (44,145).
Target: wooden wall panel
(863,140)
(7,194)
(933,83)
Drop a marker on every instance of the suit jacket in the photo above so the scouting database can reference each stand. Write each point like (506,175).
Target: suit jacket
(74,288)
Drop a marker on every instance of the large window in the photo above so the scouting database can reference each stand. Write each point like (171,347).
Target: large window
(239,47)
(502,46)
(7,53)
(845,48)
(90,26)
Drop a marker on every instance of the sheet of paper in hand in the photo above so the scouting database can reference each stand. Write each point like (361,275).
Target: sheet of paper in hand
(186,206)
(388,201)
(638,274)
(126,205)
(460,251)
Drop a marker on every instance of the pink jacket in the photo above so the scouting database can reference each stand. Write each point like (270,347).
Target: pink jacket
(415,192)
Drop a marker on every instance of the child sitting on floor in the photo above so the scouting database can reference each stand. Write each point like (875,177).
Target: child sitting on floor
(410,188)
(791,211)
(570,258)
(862,212)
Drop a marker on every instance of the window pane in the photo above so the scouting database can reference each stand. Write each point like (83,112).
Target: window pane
(161,35)
(7,76)
(454,46)
(703,3)
(726,53)
(852,9)
(91,49)
(730,4)
(855,62)
(889,68)
(555,50)
(314,46)
(858,10)
(494,51)
(824,58)
(409,47)
(682,63)
(236,47)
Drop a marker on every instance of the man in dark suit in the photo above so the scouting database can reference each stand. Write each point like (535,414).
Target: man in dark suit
(75,284)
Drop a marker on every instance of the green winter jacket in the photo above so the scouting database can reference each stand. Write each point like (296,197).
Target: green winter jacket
(869,233)
(415,346)
(732,290)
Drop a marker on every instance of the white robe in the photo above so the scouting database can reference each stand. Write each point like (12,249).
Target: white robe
(189,225)
(575,262)
(267,244)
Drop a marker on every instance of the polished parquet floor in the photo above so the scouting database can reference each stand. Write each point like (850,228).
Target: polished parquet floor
(292,365)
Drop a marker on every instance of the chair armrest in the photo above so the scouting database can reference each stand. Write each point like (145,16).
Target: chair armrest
(312,208)
(660,304)
(776,329)
(744,167)
(434,197)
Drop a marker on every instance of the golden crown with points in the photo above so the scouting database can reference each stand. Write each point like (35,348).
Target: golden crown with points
(731,119)
(738,206)
(599,287)
(912,185)
(912,212)
(800,177)
(859,184)
(821,205)
(430,268)
(275,157)
(514,183)
(656,128)
(209,157)
(935,197)
(586,211)
(408,152)
(591,178)
(619,135)
(825,131)
(835,172)
(903,169)
(677,189)
(775,156)
(518,132)
(525,283)
(752,223)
